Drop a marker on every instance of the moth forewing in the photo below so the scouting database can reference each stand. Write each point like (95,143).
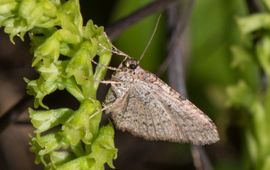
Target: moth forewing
(147,107)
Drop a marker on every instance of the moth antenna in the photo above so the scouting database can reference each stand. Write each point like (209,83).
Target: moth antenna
(114,49)
(150,40)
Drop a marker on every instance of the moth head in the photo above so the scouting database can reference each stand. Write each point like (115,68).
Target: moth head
(131,64)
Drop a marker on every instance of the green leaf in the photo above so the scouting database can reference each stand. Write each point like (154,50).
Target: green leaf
(240,95)
(103,149)
(82,163)
(266,164)
(59,158)
(6,8)
(42,146)
(80,66)
(46,119)
(70,16)
(247,66)
(252,146)
(49,81)
(48,52)
(267,3)
(254,23)
(73,89)
(263,53)
(84,123)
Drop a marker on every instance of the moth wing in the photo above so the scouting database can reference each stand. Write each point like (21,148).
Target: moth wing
(145,116)
(146,111)
(197,127)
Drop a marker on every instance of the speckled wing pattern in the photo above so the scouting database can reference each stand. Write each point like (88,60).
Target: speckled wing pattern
(145,106)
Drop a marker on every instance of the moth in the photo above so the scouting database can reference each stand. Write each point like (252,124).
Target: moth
(142,104)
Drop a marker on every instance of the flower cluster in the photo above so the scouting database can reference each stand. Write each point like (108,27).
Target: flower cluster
(63,51)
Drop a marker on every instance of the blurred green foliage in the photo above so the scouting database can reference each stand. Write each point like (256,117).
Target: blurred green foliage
(210,69)
(213,31)
(217,63)
(252,93)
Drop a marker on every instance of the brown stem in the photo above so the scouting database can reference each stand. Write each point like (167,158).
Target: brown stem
(254,6)
(10,116)
(119,26)
(200,159)
(177,23)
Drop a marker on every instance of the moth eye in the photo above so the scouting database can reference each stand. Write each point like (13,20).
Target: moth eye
(132,66)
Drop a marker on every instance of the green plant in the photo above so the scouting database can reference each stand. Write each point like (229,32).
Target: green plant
(252,91)
(64,138)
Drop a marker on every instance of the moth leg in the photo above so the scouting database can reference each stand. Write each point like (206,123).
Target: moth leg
(108,67)
(110,82)
(97,112)
(114,104)
(114,81)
